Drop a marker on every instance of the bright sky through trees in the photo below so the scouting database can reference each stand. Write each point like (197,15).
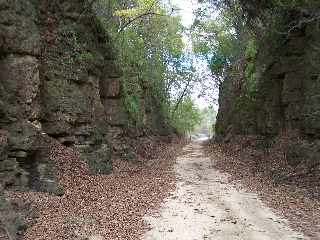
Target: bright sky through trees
(187,8)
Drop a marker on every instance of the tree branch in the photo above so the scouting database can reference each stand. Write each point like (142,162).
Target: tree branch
(303,20)
(140,16)
(180,98)
(294,174)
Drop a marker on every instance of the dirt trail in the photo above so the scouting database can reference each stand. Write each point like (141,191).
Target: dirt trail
(205,206)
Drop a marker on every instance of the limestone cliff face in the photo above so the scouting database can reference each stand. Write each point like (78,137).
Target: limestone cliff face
(287,95)
(57,79)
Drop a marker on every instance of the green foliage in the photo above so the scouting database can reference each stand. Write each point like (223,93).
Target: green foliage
(214,40)
(150,53)
(187,116)
(207,126)
(240,39)
(79,53)
(134,106)
(251,73)
(292,4)
(252,49)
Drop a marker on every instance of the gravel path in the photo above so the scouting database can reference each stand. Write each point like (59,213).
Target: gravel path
(206,206)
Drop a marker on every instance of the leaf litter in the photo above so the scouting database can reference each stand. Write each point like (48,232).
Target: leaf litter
(297,199)
(112,206)
(103,206)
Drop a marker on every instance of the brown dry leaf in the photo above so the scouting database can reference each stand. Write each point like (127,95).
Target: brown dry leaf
(297,200)
(110,206)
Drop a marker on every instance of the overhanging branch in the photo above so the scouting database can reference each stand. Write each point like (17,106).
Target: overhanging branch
(140,16)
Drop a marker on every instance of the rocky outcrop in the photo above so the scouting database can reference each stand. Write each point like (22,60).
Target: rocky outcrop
(11,219)
(11,174)
(56,79)
(12,215)
(286,97)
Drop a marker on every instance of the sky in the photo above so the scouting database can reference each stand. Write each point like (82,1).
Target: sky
(186,12)
(187,8)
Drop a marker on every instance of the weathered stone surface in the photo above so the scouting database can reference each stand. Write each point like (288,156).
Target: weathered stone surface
(19,78)
(18,28)
(110,87)
(41,175)
(11,217)
(19,154)
(45,180)
(12,176)
(97,107)
(287,97)
(109,70)
(303,152)
(312,125)
(48,86)
(23,135)
(99,161)
(115,111)
(4,148)
(84,130)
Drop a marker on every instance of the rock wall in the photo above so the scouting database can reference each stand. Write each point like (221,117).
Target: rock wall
(57,79)
(287,96)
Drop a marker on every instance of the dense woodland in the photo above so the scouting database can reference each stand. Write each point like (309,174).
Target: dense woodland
(238,40)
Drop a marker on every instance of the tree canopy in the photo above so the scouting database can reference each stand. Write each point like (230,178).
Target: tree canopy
(158,73)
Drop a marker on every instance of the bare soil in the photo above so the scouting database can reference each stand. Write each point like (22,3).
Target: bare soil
(206,205)
(201,191)
(296,199)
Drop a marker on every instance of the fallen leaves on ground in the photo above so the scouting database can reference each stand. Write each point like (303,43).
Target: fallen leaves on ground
(111,206)
(295,200)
